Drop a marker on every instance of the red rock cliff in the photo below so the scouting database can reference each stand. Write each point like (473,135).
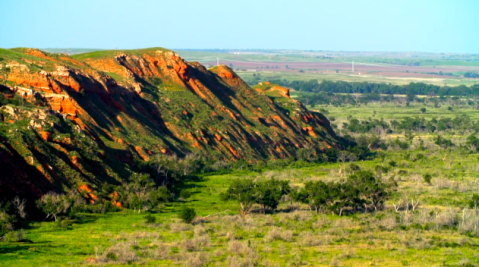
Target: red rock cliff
(95,110)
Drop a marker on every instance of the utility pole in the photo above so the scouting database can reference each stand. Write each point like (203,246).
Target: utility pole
(217,61)
(353,66)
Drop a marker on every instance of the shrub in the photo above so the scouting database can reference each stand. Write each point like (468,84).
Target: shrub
(185,194)
(64,224)
(187,214)
(122,252)
(6,223)
(111,256)
(15,236)
(53,205)
(273,234)
(427,178)
(150,218)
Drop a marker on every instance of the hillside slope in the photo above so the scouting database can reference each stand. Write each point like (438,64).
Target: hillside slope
(86,119)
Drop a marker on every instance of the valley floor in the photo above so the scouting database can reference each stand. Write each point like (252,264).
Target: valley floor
(286,238)
(423,224)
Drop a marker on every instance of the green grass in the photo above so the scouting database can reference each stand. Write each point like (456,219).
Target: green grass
(70,51)
(112,53)
(283,238)
(390,111)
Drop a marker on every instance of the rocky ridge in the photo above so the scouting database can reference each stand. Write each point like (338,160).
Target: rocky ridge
(91,117)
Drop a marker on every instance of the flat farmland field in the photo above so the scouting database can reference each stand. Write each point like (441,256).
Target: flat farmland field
(396,68)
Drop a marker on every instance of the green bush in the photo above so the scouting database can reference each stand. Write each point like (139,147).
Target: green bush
(185,194)
(427,178)
(64,224)
(6,223)
(111,256)
(15,236)
(150,218)
(187,214)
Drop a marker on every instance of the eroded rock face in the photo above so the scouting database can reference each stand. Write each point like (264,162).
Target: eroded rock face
(283,91)
(95,111)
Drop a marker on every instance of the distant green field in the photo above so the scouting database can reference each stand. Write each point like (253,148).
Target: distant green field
(425,59)
(389,111)
(291,76)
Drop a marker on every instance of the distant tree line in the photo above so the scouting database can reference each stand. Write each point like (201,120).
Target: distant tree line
(461,123)
(399,62)
(327,98)
(379,88)
(471,75)
(441,73)
(371,129)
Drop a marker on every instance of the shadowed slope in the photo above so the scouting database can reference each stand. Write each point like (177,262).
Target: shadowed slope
(93,115)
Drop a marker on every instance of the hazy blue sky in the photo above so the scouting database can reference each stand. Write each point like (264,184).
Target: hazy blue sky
(381,25)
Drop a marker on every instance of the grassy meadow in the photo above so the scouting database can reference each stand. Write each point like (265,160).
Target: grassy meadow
(423,223)
(390,111)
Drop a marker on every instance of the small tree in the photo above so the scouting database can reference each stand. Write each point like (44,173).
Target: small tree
(19,206)
(141,193)
(158,196)
(268,193)
(187,214)
(423,110)
(315,194)
(54,205)
(185,194)
(241,190)
(371,190)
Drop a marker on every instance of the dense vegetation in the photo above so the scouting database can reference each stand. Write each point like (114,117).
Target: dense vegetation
(337,99)
(361,191)
(378,88)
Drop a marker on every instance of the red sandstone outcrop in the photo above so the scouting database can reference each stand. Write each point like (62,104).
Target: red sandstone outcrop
(133,104)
